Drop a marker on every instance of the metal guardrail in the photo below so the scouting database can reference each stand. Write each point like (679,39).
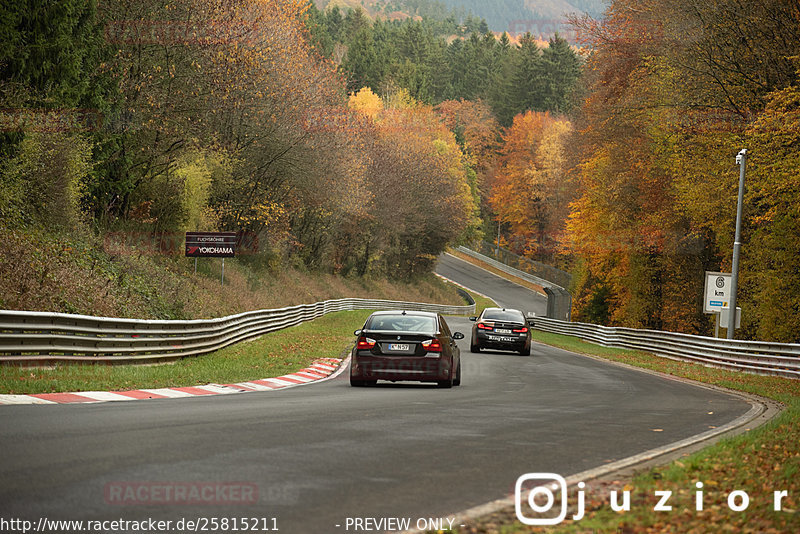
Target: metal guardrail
(559,300)
(758,357)
(42,337)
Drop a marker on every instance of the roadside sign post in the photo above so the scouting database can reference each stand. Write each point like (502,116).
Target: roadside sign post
(211,245)
(716,296)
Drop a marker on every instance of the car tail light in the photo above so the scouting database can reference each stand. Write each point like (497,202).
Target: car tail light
(432,345)
(365,343)
(521,330)
(484,326)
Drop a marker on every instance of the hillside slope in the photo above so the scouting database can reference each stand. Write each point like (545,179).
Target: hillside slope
(42,271)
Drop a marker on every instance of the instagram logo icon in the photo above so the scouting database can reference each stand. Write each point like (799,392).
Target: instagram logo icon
(541,492)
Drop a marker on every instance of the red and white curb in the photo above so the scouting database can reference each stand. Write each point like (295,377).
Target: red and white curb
(320,370)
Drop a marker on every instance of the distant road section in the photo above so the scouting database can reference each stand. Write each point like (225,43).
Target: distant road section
(505,293)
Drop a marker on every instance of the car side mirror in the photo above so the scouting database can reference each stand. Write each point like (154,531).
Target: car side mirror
(473,318)
(458,335)
(357,333)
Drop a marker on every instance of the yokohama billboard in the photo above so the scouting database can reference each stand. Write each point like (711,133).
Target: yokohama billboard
(210,244)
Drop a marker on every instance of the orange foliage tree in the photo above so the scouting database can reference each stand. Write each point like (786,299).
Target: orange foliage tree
(530,190)
(417,174)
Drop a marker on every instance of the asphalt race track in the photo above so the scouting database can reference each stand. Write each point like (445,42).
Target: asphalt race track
(313,456)
(503,292)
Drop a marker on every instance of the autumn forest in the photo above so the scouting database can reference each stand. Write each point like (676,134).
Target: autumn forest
(359,146)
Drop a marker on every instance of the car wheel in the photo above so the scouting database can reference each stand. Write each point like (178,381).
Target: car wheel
(457,380)
(449,382)
(474,347)
(526,352)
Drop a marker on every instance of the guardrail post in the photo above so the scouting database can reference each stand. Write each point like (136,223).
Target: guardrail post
(565,304)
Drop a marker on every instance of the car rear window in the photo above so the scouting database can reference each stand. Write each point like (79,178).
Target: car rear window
(500,315)
(403,323)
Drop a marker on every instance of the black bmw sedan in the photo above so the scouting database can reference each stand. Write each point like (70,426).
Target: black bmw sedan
(501,328)
(406,345)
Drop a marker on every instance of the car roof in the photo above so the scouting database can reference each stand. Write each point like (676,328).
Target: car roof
(405,312)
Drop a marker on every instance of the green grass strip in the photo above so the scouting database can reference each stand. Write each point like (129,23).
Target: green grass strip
(274,354)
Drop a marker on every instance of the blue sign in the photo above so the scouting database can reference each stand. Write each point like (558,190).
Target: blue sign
(716,303)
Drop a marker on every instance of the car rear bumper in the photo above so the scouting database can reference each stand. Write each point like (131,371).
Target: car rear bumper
(420,368)
(503,341)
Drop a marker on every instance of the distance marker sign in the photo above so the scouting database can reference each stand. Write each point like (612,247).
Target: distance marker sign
(717,295)
(210,244)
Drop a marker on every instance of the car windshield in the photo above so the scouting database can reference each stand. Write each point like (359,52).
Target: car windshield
(403,323)
(503,315)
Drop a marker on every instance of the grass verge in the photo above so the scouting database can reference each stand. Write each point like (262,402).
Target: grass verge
(758,462)
(275,354)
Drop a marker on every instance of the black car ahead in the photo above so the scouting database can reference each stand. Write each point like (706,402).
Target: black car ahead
(501,328)
(406,345)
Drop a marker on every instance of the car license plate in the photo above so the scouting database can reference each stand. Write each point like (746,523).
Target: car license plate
(398,346)
(502,331)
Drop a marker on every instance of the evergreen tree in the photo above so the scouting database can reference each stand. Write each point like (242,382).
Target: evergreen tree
(479,63)
(528,77)
(457,70)
(439,71)
(560,69)
(50,58)
(505,42)
(501,94)
(53,49)
(355,21)
(334,22)
(316,22)
(362,62)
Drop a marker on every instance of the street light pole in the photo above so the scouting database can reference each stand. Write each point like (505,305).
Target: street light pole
(497,250)
(741,159)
